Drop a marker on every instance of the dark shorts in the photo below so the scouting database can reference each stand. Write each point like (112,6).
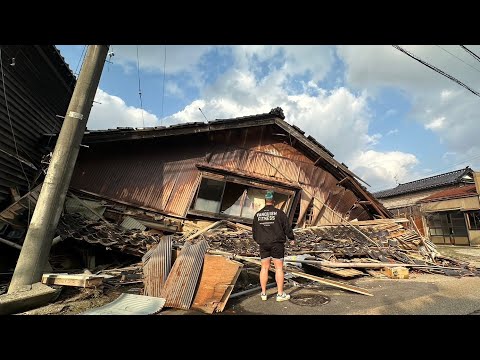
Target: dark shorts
(274,250)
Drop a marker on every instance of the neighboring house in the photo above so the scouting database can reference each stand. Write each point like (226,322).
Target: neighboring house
(221,170)
(37,91)
(402,200)
(453,216)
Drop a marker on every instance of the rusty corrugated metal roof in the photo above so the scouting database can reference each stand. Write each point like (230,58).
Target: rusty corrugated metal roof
(179,288)
(157,263)
(151,181)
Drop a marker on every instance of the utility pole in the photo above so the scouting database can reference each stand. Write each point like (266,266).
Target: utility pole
(36,247)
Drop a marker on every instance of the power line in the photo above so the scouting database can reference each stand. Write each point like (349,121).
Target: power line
(475,56)
(441,72)
(163,89)
(80,61)
(453,165)
(473,67)
(140,89)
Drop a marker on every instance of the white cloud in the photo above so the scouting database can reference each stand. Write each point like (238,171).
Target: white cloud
(152,57)
(440,105)
(338,119)
(173,89)
(316,60)
(445,94)
(392,132)
(384,169)
(113,112)
(436,124)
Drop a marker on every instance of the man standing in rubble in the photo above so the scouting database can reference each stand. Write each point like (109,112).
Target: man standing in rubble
(270,231)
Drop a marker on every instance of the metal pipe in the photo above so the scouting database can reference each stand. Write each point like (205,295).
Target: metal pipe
(249,291)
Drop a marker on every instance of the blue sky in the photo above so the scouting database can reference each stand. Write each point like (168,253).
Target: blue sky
(388,117)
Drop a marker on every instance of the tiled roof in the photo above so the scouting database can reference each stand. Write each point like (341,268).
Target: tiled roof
(460,192)
(450,178)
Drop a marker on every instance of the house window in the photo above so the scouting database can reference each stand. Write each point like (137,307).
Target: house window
(209,195)
(474,220)
(235,198)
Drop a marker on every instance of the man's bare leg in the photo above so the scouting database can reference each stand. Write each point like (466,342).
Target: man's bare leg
(279,277)
(264,274)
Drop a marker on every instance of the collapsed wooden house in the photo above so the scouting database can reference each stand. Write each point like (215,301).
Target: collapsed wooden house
(220,170)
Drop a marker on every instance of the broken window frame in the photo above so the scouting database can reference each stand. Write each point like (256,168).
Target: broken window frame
(473,220)
(261,185)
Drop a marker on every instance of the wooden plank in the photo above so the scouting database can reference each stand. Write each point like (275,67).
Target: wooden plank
(228,291)
(84,281)
(332,283)
(345,273)
(218,277)
(204,230)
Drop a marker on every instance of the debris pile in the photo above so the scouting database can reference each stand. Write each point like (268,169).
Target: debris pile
(131,241)
(345,245)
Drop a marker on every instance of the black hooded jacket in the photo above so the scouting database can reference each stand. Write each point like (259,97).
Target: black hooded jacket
(271,225)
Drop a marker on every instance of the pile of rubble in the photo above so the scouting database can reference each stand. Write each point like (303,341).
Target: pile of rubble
(130,241)
(344,246)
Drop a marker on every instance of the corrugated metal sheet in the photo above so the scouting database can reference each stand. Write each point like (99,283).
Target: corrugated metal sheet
(131,223)
(161,179)
(130,304)
(38,87)
(180,286)
(157,263)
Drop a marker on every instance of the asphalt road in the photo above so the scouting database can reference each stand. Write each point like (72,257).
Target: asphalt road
(422,294)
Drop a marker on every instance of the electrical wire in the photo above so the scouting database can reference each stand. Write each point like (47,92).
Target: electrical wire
(13,132)
(452,166)
(441,72)
(473,67)
(475,56)
(80,61)
(140,89)
(163,89)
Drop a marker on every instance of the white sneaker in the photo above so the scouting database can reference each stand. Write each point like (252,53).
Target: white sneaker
(263,297)
(283,297)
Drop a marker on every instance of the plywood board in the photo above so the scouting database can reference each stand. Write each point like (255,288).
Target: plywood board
(217,280)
